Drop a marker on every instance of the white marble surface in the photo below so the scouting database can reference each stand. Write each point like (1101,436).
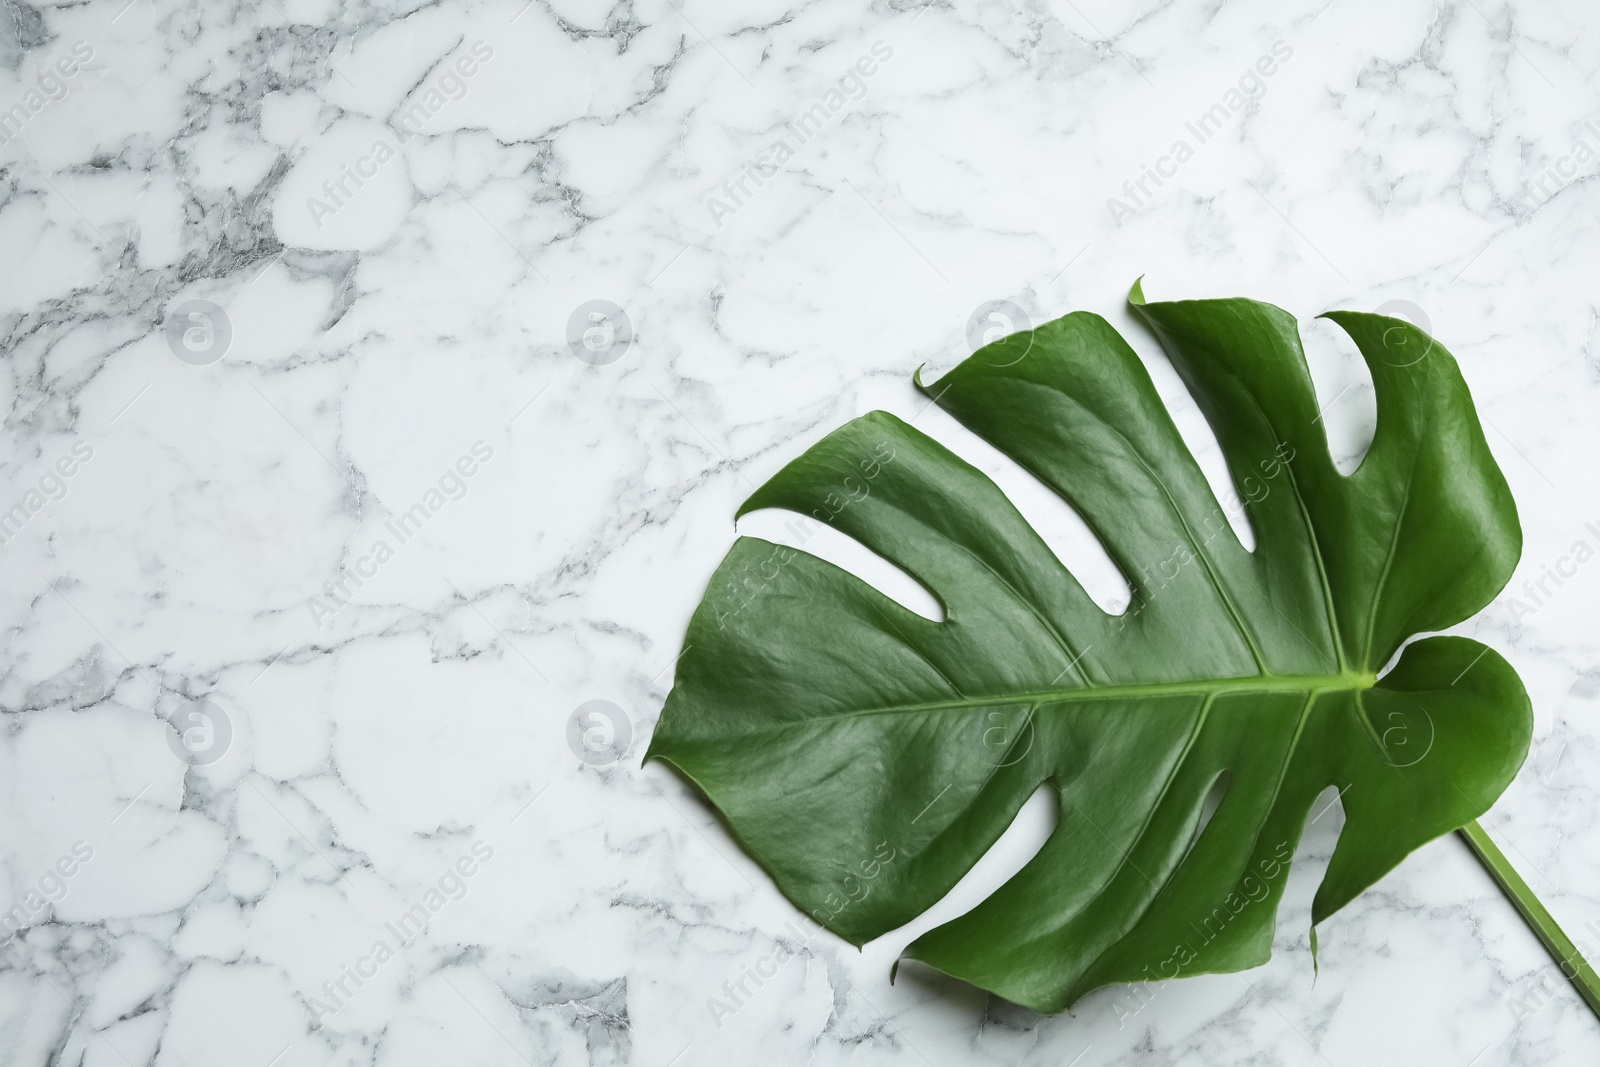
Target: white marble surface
(405,743)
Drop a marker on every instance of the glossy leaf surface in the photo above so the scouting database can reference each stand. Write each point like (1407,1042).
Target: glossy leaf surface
(867,757)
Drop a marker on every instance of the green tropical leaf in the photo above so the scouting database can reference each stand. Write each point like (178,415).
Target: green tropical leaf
(867,757)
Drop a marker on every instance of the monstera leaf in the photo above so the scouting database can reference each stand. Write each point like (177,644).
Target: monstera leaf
(867,757)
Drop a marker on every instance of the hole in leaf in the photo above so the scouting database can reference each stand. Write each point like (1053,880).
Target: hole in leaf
(1060,526)
(1012,851)
(846,553)
(1347,404)
(1195,431)
(1213,800)
(1324,820)
(1319,837)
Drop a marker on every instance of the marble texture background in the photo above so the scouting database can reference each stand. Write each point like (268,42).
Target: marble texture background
(387,216)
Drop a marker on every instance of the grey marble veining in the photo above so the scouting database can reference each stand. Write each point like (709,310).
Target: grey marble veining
(381,381)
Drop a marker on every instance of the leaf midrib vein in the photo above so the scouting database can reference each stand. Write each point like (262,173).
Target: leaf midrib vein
(1269,683)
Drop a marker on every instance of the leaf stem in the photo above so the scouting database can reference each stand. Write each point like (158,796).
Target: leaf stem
(1565,954)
